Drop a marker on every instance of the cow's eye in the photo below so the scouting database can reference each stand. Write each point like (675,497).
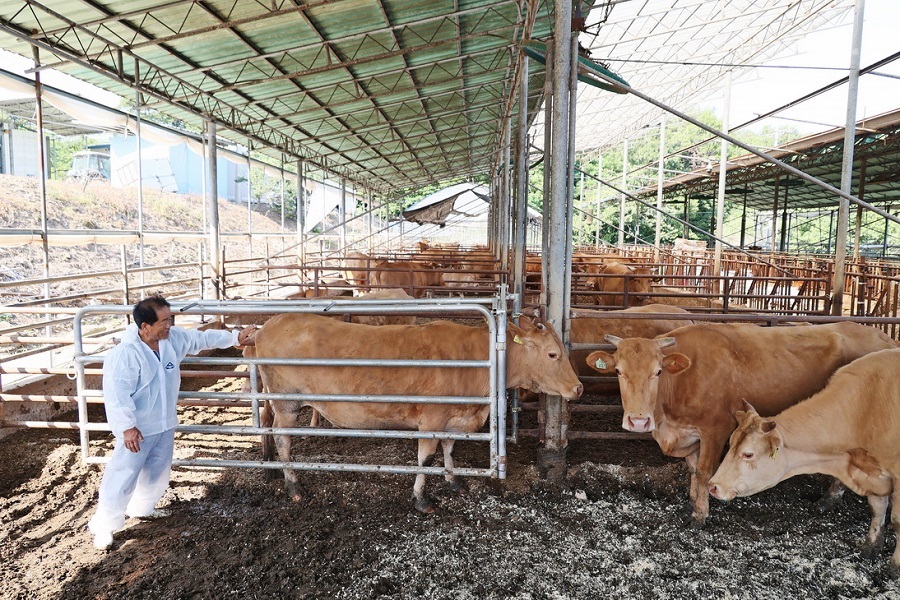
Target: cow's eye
(618,371)
(658,372)
(553,355)
(746,455)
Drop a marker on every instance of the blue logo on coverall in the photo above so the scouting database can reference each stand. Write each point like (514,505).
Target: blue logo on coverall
(169,366)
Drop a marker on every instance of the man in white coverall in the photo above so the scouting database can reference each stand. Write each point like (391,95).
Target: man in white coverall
(141,380)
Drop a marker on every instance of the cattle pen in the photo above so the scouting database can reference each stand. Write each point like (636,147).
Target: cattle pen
(565,242)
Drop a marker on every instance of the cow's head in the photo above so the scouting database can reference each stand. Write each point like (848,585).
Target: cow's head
(639,363)
(754,462)
(537,360)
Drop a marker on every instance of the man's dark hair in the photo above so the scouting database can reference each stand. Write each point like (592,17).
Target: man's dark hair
(145,310)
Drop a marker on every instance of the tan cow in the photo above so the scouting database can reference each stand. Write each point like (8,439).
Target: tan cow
(850,430)
(414,277)
(356,265)
(618,284)
(366,319)
(686,387)
(535,360)
(587,330)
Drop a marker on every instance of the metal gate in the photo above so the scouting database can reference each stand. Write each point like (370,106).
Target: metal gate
(492,310)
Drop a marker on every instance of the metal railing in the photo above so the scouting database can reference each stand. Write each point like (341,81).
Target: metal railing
(492,311)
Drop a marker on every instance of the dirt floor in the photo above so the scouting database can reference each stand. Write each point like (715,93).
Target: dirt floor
(615,529)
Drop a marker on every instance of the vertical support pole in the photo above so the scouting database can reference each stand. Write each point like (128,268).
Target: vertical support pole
(840,251)
(859,211)
(622,199)
(283,198)
(782,244)
(212,202)
(521,229)
(744,220)
(549,74)
(723,181)
(249,190)
(343,214)
(42,183)
(660,176)
(557,260)
(140,168)
(301,214)
(599,189)
(505,200)
(772,247)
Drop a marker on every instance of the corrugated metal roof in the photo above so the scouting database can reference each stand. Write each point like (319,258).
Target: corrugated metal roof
(391,94)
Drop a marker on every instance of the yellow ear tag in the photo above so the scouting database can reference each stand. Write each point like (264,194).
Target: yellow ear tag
(775,452)
(600,364)
(517,339)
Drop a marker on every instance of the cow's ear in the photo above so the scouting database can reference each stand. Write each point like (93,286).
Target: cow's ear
(773,438)
(676,363)
(602,362)
(525,324)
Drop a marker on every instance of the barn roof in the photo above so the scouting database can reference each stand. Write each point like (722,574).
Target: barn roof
(391,94)
(876,175)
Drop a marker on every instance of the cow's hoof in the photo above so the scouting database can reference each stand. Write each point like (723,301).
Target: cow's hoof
(425,506)
(696,522)
(459,487)
(872,550)
(827,504)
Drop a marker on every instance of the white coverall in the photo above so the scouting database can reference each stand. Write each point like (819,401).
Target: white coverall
(141,390)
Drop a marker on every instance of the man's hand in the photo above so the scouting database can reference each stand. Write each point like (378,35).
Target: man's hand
(245,337)
(133,439)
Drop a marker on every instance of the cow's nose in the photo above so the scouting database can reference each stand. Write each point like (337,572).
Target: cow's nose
(713,490)
(579,389)
(639,424)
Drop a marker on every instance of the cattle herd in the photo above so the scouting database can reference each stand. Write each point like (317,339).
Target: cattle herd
(791,399)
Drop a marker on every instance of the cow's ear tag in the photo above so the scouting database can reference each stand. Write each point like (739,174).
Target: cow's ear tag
(600,364)
(517,339)
(775,452)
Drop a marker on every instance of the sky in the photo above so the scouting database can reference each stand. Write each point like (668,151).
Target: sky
(763,89)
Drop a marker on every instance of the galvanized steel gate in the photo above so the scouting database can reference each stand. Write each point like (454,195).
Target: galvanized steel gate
(492,310)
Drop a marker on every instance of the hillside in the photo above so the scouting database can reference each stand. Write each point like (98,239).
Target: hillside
(98,206)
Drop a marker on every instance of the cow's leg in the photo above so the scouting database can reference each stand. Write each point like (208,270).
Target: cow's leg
(427,448)
(283,445)
(875,539)
(456,484)
(711,446)
(895,522)
(691,461)
(832,497)
(314,419)
(266,419)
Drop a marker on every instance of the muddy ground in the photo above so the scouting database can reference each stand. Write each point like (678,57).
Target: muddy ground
(614,530)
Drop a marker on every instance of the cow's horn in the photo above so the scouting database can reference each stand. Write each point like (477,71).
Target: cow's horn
(612,339)
(665,342)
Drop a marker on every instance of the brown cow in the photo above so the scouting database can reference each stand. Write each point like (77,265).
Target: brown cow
(618,284)
(366,319)
(411,276)
(336,288)
(589,330)
(850,430)
(535,359)
(356,266)
(686,387)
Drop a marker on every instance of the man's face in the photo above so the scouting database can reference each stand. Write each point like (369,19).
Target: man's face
(160,329)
